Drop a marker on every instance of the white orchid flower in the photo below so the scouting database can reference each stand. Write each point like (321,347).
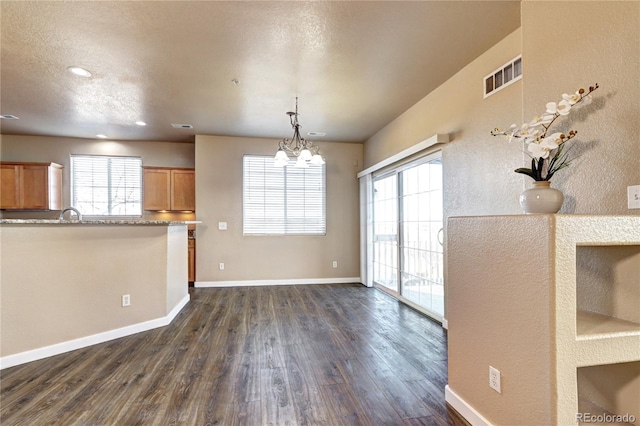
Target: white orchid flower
(563,107)
(541,120)
(537,150)
(552,108)
(586,100)
(537,121)
(531,135)
(545,146)
(553,141)
(547,151)
(572,99)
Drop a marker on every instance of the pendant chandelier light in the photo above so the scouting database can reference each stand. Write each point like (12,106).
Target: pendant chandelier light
(297,146)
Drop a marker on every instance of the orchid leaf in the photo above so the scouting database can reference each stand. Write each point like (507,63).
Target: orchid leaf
(524,171)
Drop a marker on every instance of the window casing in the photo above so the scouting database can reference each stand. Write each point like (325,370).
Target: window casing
(106,185)
(283,200)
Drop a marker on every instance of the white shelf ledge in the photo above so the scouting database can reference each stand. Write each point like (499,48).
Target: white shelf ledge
(593,325)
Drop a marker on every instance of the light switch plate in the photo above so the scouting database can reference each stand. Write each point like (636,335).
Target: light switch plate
(222,226)
(633,196)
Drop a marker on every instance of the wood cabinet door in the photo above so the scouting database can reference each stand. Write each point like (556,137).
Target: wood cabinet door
(34,192)
(192,260)
(9,187)
(157,189)
(183,190)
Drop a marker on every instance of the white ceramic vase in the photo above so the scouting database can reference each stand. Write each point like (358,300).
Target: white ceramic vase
(541,198)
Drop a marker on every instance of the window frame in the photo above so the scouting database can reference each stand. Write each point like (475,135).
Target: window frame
(72,187)
(287,221)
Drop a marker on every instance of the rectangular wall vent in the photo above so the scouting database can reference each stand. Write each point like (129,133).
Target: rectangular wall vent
(182,126)
(503,76)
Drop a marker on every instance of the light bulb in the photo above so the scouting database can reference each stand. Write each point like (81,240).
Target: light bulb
(316,160)
(301,163)
(305,154)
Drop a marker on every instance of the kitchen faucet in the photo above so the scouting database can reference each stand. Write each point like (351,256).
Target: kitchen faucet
(73,209)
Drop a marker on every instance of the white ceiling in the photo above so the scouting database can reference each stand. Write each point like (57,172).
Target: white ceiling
(354,65)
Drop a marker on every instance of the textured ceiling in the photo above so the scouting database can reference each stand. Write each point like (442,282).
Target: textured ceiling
(354,65)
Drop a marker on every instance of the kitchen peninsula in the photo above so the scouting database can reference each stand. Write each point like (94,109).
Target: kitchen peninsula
(63,284)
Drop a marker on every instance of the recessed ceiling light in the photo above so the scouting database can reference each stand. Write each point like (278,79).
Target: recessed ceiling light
(141,123)
(8,117)
(79,71)
(101,136)
(316,134)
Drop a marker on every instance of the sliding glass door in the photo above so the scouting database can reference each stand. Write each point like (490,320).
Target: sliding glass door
(408,232)
(385,232)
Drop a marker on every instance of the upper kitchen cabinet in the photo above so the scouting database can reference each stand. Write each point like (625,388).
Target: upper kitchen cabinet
(30,186)
(169,189)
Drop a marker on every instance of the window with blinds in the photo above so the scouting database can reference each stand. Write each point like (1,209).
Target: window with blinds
(283,200)
(106,186)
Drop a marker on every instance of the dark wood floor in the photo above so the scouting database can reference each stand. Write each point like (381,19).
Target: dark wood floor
(286,355)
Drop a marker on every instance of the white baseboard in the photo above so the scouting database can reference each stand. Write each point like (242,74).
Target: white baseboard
(445,324)
(83,342)
(203,284)
(465,410)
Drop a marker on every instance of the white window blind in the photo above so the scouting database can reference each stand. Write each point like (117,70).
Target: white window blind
(283,200)
(106,186)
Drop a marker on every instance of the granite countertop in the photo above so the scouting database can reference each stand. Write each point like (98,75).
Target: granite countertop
(96,222)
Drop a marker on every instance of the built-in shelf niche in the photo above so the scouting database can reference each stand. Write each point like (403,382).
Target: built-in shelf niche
(607,290)
(611,390)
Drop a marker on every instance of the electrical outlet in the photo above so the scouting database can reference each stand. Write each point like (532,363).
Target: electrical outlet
(633,197)
(126,300)
(494,379)
(221,266)
(335,263)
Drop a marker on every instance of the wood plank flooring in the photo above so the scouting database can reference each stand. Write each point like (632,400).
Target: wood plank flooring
(283,355)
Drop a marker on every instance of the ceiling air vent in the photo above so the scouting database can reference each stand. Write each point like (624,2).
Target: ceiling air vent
(9,117)
(182,126)
(503,76)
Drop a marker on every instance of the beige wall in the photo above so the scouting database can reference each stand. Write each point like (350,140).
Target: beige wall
(58,150)
(219,199)
(499,315)
(555,324)
(65,282)
(564,45)
(571,44)
(477,167)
